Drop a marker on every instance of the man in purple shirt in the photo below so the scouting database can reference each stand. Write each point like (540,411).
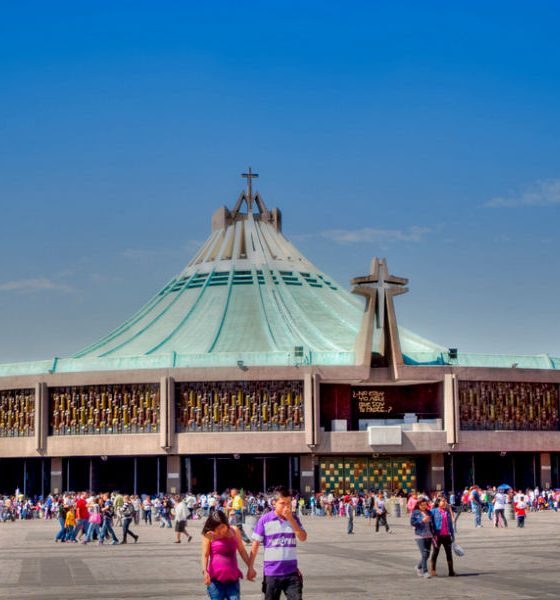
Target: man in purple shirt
(277,531)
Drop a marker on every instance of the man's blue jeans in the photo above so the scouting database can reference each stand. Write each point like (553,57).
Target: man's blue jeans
(477,516)
(107,528)
(62,533)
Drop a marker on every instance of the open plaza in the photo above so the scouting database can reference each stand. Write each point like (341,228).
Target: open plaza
(518,564)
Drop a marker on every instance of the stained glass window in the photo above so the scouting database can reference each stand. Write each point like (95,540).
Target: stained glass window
(17,413)
(240,406)
(81,410)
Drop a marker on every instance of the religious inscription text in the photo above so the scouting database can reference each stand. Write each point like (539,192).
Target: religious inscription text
(371,401)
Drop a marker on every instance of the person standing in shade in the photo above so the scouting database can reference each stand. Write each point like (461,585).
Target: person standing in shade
(443,534)
(380,510)
(127,516)
(422,521)
(278,531)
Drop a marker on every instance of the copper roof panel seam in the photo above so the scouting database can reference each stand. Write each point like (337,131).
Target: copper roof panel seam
(135,317)
(224,313)
(285,293)
(184,319)
(154,321)
(197,333)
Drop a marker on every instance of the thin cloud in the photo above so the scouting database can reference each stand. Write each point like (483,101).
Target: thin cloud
(151,253)
(37,284)
(542,193)
(370,235)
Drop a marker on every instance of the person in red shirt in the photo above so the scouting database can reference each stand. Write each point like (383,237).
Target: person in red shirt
(82,515)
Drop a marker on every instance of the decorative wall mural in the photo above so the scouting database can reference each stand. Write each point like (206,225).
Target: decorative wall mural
(130,408)
(240,406)
(17,413)
(491,405)
(359,474)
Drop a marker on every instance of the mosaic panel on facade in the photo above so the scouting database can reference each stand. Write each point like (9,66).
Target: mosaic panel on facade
(240,406)
(17,413)
(491,405)
(105,409)
(345,474)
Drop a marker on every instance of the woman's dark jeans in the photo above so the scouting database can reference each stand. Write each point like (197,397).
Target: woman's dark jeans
(424,545)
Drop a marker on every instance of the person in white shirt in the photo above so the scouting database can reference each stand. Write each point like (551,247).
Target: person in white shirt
(500,501)
(182,512)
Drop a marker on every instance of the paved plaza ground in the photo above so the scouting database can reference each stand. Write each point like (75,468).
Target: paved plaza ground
(507,563)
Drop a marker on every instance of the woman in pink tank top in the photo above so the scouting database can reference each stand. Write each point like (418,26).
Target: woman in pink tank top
(220,544)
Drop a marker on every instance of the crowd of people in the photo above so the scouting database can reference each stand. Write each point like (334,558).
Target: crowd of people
(85,517)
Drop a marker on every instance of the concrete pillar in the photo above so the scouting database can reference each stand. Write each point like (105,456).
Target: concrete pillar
(173,474)
(56,475)
(450,409)
(41,424)
(188,473)
(546,470)
(437,472)
(306,473)
(308,413)
(167,413)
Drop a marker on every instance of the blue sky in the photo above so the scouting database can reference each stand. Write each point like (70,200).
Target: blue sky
(427,133)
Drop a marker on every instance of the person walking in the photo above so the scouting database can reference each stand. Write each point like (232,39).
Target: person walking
(220,544)
(500,501)
(521,513)
(127,512)
(94,521)
(349,511)
(61,516)
(107,514)
(476,505)
(70,523)
(278,531)
(235,508)
(147,505)
(380,510)
(422,521)
(443,534)
(182,512)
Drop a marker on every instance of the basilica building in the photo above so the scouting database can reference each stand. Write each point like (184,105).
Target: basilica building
(252,368)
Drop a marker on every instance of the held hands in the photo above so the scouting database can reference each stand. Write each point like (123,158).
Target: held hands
(251,574)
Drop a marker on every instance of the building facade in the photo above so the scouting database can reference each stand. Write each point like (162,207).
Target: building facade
(252,368)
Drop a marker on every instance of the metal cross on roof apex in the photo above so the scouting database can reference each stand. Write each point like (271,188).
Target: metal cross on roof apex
(249,176)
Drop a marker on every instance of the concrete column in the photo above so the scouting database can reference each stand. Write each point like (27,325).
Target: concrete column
(56,475)
(173,474)
(167,413)
(41,416)
(437,472)
(188,473)
(306,473)
(450,409)
(163,413)
(308,413)
(546,470)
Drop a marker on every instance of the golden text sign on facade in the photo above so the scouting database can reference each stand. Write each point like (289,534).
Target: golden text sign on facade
(371,401)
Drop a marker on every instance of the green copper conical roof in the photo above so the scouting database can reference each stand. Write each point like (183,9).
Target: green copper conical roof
(249,293)
(249,297)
